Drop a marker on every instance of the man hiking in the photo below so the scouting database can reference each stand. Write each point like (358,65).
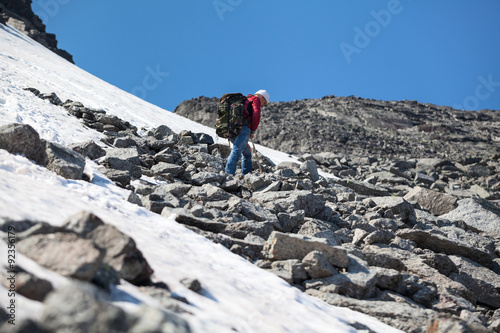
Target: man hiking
(240,142)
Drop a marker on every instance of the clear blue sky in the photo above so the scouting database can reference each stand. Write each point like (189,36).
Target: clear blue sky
(445,52)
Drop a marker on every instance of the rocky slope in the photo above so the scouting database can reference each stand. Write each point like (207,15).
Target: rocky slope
(18,13)
(365,127)
(414,242)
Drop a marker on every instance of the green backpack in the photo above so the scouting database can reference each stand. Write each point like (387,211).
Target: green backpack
(230,115)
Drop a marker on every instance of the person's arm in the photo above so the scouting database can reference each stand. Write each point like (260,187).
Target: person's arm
(255,116)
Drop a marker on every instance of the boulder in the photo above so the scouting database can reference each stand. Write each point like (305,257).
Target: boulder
(320,229)
(88,149)
(358,282)
(317,265)
(364,188)
(79,308)
(280,246)
(442,244)
(478,214)
(310,168)
(63,161)
(484,283)
(289,201)
(398,314)
(121,252)
(23,140)
(436,202)
(397,206)
(292,270)
(64,253)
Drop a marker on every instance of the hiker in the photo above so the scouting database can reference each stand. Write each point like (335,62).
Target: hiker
(240,142)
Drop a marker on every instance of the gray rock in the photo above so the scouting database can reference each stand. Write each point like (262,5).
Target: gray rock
(280,246)
(51,97)
(80,308)
(167,168)
(23,140)
(151,319)
(481,281)
(437,203)
(243,229)
(439,243)
(88,149)
(127,154)
(208,192)
(204,177)
(421,178)
(156,202)
(111,120)
(358,282)
(364,188)
(121,252)
(63,253)
(292,271)
(254,182)
(400,315)
(379,236)
(115,163)
(397,206)
(203,138)
(290,221)
(28,285)
(185,217)
(192,284)
(320,229)
(161,132)
(65,162)
(478,214)
(121,177)
(289,201)
(317,265)
(310,168)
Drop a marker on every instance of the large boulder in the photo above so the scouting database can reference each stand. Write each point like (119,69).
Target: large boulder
(438,203)
(484,283)
(121,252)
(23,140)
(65,253)
(64,161)
(281,246)
(478,214)
(290,201)
(442,244)
(397,206)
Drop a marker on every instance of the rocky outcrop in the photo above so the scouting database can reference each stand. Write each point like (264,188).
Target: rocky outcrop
(18,14)
(375,239)
(354,126)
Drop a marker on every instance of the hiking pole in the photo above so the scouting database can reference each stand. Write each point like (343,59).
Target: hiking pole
(256,156)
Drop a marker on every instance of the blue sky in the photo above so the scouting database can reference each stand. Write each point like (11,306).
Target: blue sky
(445,52)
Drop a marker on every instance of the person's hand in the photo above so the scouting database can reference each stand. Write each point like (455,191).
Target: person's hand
(251,136)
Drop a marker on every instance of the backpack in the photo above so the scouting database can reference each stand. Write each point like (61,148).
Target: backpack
(230,113)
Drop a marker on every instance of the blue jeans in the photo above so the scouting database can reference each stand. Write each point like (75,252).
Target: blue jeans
(240,147)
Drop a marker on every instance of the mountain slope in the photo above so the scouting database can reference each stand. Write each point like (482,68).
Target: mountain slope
(361,127)
(30,192)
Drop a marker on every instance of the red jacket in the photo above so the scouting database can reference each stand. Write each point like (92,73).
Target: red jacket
(255,119)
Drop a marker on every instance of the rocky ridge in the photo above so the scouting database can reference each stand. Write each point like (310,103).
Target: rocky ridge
(413,242)
(355,126)
(18,13)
